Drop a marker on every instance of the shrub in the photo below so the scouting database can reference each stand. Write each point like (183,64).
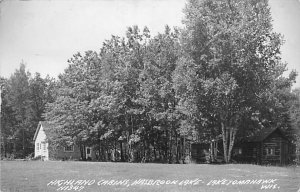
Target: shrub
(37,158)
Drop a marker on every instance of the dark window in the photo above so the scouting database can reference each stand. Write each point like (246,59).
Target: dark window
(88,151)
(69,148)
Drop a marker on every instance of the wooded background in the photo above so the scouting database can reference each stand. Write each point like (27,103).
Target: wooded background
(147,96)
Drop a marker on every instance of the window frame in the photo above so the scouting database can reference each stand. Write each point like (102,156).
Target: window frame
(240,151)
(270,151)
(67,150)
(44,147)
(88,150)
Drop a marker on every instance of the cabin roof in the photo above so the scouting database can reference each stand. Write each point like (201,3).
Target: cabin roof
(46,125)
(263,134)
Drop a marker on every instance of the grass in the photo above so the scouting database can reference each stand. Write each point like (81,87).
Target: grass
(35,175)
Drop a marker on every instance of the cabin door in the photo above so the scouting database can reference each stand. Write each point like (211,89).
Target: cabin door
(88,152)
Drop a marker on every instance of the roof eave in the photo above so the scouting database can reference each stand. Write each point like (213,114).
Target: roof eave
(37,131)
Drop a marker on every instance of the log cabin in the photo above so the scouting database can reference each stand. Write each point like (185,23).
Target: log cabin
(265,147)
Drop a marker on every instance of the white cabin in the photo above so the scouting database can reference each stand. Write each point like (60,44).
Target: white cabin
(64,152)
(40,142)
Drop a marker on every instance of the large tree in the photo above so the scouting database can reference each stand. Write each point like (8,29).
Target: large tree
(294,112)
(70,110)
(24,99)
(19,100)
(236,59)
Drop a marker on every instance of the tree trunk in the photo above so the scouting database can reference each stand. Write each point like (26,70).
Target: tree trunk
(212,159)
(228,134)
(4,144)
(23,141)
(99,150)
(148,154)
(154,151)
(81,154)
(231,141)
(144,151)
(122,153)
(131,152)
(170,148)
(99,141)
(177,151)
(225,140)
(115,157)
(183,149)
(166,151)
(108,157)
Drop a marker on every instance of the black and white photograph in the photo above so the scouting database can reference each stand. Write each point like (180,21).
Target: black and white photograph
(150,95)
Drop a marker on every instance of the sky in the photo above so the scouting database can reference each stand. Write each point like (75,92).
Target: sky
(45,34)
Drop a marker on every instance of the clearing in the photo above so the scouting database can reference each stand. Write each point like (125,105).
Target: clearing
(100,176)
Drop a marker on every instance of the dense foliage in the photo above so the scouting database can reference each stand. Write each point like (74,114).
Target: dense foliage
(144,98)
(23,102)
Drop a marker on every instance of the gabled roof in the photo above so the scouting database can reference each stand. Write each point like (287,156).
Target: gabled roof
(263,134)
(46,127)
